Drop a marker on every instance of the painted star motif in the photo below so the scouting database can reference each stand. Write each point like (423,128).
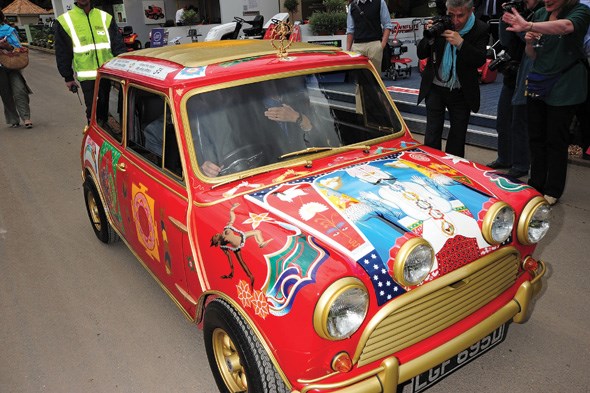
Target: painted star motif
(256,219)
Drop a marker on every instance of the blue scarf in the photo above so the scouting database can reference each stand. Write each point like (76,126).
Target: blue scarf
(10,34)
(449,61)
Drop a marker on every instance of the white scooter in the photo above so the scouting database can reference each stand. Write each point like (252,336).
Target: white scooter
(231,30)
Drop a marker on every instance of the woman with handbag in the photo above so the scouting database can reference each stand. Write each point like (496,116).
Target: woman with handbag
(13,87)
(556,85)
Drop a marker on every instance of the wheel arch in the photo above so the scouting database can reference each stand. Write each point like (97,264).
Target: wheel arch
(87,175)
(209,296)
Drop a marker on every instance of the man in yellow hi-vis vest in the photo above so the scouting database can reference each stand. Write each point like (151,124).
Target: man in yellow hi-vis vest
(85,39)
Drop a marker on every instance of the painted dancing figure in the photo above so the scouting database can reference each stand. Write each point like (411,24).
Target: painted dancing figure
(233,239)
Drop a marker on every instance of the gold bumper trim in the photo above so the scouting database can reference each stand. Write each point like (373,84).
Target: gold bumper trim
(389,373)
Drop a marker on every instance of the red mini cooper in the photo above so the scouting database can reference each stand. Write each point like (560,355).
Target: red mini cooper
(276,194)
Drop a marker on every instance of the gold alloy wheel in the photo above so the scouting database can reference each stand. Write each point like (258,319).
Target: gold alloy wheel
(228,362)
(93,209)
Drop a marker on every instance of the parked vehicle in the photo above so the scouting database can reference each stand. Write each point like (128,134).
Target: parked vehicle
(154,12)
(130,38)
(399,67)
(231,30)
(280,200)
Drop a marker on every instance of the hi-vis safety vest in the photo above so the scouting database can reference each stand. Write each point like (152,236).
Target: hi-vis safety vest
(90,39)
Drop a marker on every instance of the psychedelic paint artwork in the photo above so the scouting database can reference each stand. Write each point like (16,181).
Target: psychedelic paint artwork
(368,211)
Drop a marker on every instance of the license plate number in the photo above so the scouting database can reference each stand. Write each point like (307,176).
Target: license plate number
(428,378)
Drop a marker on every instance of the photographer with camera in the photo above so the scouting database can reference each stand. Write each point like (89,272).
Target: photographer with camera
(455,45)
(511,118)
(556,85)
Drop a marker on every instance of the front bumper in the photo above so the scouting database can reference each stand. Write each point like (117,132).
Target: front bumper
(390,373)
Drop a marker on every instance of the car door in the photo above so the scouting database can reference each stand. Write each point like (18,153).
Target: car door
(153,195)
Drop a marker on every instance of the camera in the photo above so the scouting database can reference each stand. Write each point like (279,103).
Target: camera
(439,24)
(519,5)
(503,63)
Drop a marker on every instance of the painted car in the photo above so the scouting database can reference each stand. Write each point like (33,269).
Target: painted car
(276,194)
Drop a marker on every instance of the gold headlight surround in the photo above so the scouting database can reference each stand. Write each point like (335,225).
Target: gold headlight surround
(488,221)
(522,231)
(402,256)
(324,304)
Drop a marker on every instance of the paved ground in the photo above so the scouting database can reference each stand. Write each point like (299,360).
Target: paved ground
(79,316)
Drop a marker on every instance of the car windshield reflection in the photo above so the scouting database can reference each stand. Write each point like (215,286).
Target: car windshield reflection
(254,125)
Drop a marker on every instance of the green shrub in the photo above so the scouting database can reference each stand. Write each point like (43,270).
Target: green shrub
(189,17)
(326,22)
(335,5)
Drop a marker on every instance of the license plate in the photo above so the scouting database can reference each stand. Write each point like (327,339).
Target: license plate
(428,378)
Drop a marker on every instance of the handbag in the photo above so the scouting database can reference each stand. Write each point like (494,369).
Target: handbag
(539,86)
(17,59)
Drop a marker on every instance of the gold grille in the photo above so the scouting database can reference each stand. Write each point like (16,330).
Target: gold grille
(437,305)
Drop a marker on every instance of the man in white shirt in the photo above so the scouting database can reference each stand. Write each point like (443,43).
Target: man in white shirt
(179,13)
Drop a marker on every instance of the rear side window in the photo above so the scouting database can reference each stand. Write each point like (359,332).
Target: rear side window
(109,108)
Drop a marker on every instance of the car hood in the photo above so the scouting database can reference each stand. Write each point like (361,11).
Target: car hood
(365,212)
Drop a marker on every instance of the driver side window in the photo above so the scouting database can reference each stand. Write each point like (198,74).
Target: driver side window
(151,132)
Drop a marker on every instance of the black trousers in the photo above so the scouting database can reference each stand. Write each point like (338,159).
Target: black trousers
(549,128)
(441,98)
(102,103)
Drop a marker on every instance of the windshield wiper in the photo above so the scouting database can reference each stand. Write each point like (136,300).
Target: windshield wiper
(251,173)
(325,148)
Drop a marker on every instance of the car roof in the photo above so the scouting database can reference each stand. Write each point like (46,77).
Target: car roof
(205,53)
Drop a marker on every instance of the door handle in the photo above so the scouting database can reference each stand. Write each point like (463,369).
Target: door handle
(122,167)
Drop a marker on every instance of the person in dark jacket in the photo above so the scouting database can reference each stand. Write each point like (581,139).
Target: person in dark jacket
(85,39)
(511,119)
(450,79)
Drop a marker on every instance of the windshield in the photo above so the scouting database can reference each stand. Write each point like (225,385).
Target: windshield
(253,125)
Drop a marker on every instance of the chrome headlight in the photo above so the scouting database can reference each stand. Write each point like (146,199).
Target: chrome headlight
(498,223)
(534,221)
(341,309)
(413,262)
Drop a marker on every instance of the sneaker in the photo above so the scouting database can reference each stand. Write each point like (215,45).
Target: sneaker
(550,200)
(498,165)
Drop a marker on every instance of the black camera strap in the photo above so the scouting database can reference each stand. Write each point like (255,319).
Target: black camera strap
(436,64)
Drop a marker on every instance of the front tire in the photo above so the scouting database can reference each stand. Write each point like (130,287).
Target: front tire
(237,359)
(97,215)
